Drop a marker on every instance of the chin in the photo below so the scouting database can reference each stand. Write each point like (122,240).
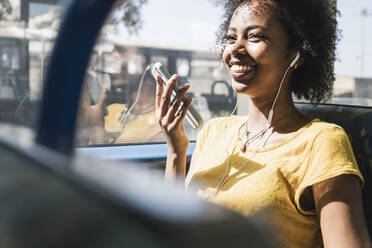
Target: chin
(240,87)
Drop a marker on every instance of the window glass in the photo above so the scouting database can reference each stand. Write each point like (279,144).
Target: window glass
(353,84)
(27,33)
(174,33)
(182,37)
(353,79)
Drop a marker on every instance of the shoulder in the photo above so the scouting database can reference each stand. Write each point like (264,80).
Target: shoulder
(328,139)
(325,126)
(329,155)
(221,122)
(331,152)
(212,129)
(320,130)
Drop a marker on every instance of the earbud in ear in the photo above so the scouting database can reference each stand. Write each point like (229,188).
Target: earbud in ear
(293,63)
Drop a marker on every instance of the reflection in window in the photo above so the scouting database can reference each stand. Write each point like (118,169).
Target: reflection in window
(27,34)
(196,62)
(129,112)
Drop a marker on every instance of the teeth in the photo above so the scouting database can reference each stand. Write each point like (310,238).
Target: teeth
(241,68)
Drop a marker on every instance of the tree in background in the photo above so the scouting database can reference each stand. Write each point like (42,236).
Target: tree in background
(129,13)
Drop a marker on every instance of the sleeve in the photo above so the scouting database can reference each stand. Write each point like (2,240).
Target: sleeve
(331,155)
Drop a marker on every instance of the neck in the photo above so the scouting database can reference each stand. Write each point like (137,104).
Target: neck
(259,111)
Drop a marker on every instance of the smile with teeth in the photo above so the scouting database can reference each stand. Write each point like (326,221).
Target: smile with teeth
(241,68)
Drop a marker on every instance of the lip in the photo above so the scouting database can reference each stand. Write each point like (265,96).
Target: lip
(241,72)
(234,61)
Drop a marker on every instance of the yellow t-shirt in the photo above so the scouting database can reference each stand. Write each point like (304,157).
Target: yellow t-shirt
(267,183)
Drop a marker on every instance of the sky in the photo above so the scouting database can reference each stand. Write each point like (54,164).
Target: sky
(193,23)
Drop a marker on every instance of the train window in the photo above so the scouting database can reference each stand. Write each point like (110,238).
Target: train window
(27,33)
(353,80)
(125,114)
(10,58)
(353,85)
(188,48)
(175,33)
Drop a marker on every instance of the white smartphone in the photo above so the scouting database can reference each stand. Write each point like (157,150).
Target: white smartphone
(193,117)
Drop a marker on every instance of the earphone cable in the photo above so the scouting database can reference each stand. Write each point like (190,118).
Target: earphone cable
(225,178)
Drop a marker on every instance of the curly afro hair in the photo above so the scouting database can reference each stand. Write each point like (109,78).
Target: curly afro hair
(312,29)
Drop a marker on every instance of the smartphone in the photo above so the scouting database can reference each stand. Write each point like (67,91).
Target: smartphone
(193,117)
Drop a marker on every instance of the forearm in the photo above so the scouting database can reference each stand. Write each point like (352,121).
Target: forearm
(170,115)
(175,166)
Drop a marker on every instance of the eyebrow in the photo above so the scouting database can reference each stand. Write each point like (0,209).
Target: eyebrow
(249,28)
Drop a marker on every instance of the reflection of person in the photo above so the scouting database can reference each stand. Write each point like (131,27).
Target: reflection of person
(107,126)
(276,163)
(92,107)
(90,118)
(138,123)
(139,111)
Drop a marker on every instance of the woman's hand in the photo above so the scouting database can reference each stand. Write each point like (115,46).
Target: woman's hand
(170,115)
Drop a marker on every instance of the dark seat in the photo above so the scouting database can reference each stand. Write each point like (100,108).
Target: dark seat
(357,122)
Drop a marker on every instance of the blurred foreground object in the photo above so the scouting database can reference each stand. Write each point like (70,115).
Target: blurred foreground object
(50,200)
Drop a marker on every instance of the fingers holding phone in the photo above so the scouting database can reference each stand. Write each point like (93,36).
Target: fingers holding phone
(171,109)
(192,116)
(177,112)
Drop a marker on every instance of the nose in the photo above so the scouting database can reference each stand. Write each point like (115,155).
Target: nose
(239,48)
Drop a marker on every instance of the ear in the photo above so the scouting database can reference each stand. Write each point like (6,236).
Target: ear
(295,59)
(300,61)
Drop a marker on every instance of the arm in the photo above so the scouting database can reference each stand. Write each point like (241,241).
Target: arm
(92,116)
(175,165)
(338,203)
(170,118)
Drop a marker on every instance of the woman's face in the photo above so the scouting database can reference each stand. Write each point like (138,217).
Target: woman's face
(257,52)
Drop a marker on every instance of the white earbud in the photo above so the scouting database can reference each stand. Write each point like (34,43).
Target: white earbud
(295,59)
(271,112)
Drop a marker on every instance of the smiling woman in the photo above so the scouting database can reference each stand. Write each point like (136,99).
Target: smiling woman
(276,162)
(296,173)
(315,77)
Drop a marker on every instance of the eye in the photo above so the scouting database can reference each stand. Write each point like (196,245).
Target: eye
(256,37)
(230,38)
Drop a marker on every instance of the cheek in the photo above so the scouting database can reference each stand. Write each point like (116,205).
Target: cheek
(226,55)
(258,51)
